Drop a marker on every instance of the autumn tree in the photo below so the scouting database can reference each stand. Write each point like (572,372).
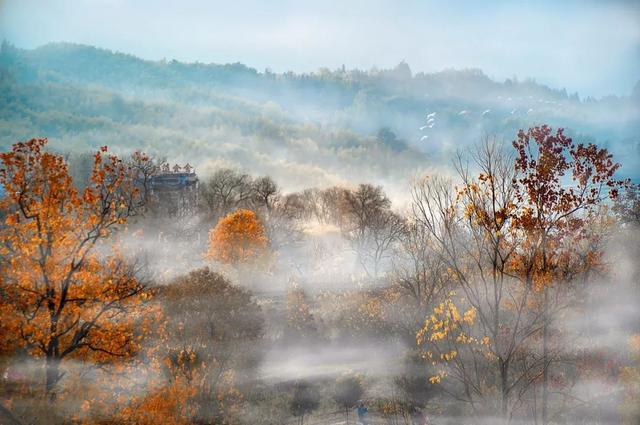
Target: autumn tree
(163,404)
(627,205)
(300,322)
(214,330)
(559,187)
(508,236)
(469,227)
(445,334)
(67,299)
(237,238)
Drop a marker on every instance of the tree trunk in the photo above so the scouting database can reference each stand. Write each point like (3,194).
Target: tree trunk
(545,360)
(52,376)
(52,359)
(504,387)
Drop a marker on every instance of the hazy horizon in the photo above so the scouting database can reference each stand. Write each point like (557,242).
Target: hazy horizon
(594,47)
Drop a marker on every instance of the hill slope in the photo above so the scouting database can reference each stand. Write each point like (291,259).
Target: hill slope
(305,129)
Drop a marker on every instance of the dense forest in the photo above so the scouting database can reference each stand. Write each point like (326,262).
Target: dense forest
(352,245)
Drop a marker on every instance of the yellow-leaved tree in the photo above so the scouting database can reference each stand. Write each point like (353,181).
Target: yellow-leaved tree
(238,238)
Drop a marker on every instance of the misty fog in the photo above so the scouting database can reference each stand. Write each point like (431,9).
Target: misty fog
(408,242)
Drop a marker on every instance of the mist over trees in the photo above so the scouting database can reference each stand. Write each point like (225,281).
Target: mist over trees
(282,307)
(322,248)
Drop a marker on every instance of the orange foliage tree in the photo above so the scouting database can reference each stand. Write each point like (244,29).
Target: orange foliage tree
(62,299)
(237,238)
(560,187)
(166,404)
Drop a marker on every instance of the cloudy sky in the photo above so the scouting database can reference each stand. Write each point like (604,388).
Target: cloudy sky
(585,46)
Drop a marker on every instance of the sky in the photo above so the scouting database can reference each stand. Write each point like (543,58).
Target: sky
(589,47)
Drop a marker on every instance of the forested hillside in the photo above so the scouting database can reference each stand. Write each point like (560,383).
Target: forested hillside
(332,126)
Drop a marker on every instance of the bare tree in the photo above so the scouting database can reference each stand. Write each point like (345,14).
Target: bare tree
(370,225)
(305,400)
(348,390)
(225,191)
(265,192)
(420,275)
(361,207)
(470,227)
(375,247)
(303,205)
(329,204)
